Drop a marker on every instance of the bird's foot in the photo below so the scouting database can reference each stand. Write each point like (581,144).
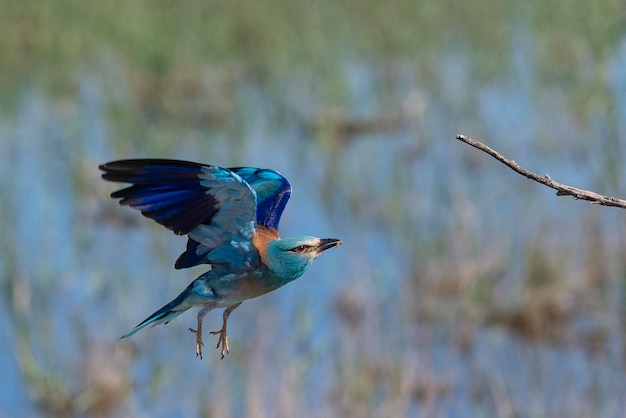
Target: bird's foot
(199,342)
(222,340)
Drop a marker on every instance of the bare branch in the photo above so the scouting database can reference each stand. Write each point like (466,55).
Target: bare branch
(561,189)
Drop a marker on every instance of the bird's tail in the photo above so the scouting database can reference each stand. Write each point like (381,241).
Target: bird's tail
(165,314)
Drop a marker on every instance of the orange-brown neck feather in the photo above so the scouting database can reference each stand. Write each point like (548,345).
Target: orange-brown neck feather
(261,237)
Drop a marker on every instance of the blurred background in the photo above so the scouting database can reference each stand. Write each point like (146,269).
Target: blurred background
(461,290)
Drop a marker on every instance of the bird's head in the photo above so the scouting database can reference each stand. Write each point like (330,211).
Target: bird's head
(289,258)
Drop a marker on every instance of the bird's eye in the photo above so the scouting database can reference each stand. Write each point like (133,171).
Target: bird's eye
(299,248)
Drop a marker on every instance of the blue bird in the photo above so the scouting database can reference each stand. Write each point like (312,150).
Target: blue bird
(231,217)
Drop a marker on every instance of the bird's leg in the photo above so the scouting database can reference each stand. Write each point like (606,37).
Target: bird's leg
(223,339)
(198,331)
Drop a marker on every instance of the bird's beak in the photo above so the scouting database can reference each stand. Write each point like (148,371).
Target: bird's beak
(326,243)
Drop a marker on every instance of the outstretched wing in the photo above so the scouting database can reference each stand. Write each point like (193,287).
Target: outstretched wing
(272,193)
(213,205)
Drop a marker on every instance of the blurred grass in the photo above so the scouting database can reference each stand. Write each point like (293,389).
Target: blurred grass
(45,43)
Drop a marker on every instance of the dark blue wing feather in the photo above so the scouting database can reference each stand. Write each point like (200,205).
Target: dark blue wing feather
(272,191)
(193,255)
(168,191)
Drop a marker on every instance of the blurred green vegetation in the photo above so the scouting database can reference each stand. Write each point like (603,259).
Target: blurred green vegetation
(45,43)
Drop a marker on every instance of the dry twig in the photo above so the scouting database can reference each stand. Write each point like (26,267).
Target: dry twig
(561,189)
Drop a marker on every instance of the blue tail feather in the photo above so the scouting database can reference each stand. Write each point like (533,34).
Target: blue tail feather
(163,315)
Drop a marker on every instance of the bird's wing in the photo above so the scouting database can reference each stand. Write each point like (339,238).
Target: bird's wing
(213,205)
(272,193)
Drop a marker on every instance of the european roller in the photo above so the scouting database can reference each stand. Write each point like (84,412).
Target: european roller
(231,217)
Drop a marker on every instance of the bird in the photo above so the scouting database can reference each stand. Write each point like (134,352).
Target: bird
(230,216)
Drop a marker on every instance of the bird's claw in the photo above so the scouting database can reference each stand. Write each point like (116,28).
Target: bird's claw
(199,342)
(222,340)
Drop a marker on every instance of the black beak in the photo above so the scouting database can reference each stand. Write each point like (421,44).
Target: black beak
(326,243)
